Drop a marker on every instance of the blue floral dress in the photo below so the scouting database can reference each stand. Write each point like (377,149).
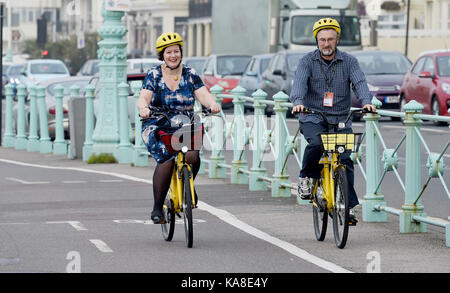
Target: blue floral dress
(181,99)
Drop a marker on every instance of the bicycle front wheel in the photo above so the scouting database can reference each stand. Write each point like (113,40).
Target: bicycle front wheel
(168,228)
(320,214)
(341,208)
(187,208)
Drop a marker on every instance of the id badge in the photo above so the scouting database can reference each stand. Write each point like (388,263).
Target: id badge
(328,99)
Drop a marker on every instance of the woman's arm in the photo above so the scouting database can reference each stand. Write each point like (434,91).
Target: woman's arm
(145,98)
(207,100)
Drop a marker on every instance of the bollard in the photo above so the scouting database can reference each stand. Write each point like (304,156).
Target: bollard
(239,161)
(123,152)
(45,145)
(33,138)
(258,169)
(280,175)
(21,139)
(140,156)
(413,177)
(216,171)
(372,199)
(59,145)
(8,137)
(89,127)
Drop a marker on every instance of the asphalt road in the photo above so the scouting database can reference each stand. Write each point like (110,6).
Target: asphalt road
(61,215)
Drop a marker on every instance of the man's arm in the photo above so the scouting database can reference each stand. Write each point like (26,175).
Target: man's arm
(360,87)
(300,86)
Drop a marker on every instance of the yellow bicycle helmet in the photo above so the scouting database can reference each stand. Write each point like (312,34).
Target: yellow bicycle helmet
(168,39)
(325,23)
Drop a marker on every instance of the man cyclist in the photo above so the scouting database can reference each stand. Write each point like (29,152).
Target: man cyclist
(322,82)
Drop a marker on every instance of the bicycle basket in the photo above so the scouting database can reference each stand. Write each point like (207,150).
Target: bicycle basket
(332,141)
(190,135)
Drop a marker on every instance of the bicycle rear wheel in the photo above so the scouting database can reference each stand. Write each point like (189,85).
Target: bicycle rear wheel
(341,208)
(187,209)
(168,228)
(320,215)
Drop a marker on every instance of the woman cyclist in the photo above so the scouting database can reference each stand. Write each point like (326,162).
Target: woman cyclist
(174,86)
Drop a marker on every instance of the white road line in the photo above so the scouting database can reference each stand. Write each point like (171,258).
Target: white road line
(232,220)
(75,224)
(102,246)
(74,182)
(123,176)
(221,214)
(26,182)
(110,181)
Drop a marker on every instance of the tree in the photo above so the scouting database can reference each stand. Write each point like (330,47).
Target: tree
(66,50)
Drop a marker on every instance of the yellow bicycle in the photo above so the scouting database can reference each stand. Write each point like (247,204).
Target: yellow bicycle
(186,135)
(330,192)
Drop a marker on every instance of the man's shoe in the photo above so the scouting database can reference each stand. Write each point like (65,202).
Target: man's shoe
(304,188)
(352,219)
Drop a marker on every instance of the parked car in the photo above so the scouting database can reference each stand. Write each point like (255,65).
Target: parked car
(89,68)
(428,82)
(141,65)
(384,72)
(225,70)
(5,67)
(279,74)
(38,70)
(252,80)
(196,63)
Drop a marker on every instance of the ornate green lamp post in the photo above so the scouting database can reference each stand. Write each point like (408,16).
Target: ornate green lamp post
(113,65)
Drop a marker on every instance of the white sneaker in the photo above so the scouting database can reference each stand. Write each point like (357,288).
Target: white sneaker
(304,188)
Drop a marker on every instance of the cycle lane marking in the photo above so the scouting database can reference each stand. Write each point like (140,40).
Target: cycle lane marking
(221,214)
(101,245)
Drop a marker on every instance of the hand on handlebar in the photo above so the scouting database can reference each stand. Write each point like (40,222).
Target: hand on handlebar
(370,108)
(215,108)
(298,108)
(144,112)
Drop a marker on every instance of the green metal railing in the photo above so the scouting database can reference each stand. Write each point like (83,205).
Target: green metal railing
(264,140)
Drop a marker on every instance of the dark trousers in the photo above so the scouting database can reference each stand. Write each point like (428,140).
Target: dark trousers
(313,152)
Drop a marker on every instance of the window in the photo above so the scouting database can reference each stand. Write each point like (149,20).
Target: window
(419,65)
(443,64)
(429,65)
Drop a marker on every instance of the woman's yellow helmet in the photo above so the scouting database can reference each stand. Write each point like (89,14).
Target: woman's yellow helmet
(325,23)
(168,39)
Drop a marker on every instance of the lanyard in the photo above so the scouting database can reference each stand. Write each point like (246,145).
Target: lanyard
(329,82)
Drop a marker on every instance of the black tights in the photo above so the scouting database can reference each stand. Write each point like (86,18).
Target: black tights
(163,175)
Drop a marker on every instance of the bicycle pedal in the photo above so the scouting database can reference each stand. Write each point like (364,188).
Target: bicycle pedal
(352,223)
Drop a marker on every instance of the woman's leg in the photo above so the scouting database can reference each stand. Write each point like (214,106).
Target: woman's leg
(161,184)
(193,158)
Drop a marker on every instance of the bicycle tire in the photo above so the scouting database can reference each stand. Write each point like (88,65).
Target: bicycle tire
(168,228)
(320,219)
(341,208)
(187,209)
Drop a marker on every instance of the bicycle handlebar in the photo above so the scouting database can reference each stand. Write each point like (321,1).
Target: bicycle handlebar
(350,114)
(156,112)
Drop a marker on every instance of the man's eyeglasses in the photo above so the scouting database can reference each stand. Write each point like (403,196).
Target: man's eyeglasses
(330,40)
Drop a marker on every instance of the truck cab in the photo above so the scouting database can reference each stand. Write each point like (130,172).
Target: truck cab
(298,17)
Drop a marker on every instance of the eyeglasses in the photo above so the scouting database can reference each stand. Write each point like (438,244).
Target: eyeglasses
(330,40)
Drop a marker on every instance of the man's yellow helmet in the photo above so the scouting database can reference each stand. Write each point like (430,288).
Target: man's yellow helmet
(325,23)
(168,39)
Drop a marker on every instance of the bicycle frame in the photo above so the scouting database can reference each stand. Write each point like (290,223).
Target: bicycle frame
(328,179)
(176,184)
